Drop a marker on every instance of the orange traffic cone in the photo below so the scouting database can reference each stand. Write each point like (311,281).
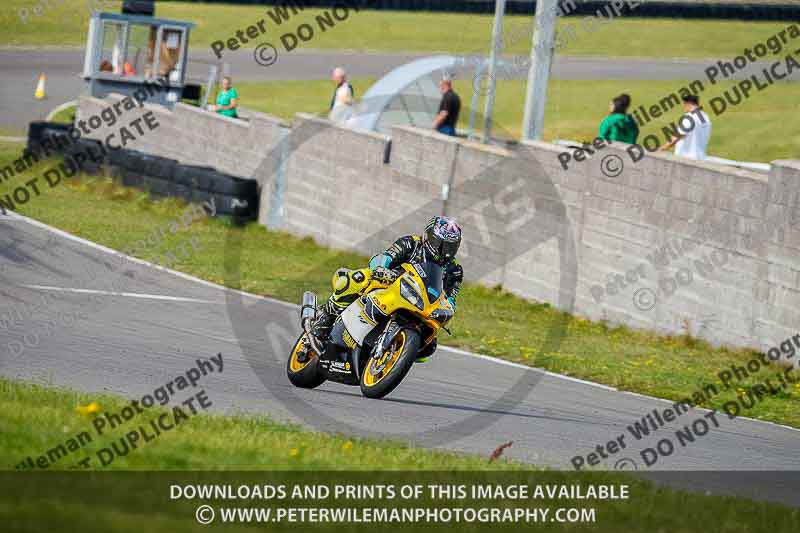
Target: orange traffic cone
(39,94)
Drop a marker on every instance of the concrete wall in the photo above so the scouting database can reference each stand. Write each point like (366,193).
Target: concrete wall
(191,135)
(663,220)
(669,245)
(679,246)
(340,191)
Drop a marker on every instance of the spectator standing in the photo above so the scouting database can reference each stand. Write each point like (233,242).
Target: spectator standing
(694,130)
(619,125)
(342,102)
(449,108)
(227,100)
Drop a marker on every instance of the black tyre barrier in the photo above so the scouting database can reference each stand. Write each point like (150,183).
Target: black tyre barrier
(195,176)
(156,186)
(131,178)
(131,160)
(180,191)
(47,138)
(159,167)
(232,186)
(88,154)
(116,158)
(36,130)
(160,176)
(241,209)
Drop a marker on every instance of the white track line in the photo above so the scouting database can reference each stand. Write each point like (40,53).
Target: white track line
(525,367)
(295,306)
(125,294)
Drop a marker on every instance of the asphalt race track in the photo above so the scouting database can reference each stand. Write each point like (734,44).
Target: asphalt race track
(129,342)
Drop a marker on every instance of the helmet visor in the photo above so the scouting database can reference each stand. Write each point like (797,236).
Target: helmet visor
(441,249)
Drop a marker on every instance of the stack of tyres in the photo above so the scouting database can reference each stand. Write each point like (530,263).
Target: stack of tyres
(229,195)
(236,196)
(35,135)
(194,180)
(56,134)
(157,174)
(116,161)
(86,154)
(128,164)
(232,196)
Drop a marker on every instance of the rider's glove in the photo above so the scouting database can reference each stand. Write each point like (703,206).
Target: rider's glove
(384,275)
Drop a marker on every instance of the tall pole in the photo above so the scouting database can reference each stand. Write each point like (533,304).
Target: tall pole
(497,49)
(539,73)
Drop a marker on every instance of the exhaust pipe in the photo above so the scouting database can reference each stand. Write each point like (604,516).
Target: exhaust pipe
(308,310)
(308,313)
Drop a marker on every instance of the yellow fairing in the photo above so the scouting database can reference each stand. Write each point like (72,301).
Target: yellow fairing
(389,299)
(350,284)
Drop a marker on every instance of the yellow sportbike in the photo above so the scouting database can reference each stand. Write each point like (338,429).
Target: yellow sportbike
(379,336)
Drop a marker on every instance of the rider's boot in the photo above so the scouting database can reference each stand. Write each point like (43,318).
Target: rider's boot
(320,330)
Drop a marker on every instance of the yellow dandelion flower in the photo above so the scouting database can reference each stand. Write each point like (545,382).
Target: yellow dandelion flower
(87,410)
(294,452)
(347,446)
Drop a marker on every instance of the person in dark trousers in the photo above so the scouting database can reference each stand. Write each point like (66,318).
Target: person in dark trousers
(449,108)
(619,125)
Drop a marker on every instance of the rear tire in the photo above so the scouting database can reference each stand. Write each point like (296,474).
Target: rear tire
(384,371)
(307,375)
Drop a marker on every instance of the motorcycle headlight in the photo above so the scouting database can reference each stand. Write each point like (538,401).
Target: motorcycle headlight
(411,294)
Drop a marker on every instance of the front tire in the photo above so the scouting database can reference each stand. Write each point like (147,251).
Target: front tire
(306,375)
(385,370)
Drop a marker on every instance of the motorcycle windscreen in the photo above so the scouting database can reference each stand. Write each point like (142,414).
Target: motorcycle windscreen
(433,276)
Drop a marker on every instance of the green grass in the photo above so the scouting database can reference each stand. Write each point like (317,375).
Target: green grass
(489,321)
(575,109)
(66,22)
(35,419)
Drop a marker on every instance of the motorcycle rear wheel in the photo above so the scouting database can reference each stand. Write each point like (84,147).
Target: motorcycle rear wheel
(385,370)
(308,374)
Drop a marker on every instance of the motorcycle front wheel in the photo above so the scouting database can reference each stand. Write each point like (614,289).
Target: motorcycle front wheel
(387,368)
(307,374)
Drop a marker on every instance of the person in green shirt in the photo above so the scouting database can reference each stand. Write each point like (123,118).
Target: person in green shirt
(619,126)
(227,99)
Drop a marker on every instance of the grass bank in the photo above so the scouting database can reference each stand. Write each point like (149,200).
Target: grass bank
(35,419)
(65,23)
(576,108)
(574,111)
(489,321)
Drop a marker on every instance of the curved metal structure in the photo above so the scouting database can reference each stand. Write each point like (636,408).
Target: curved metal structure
(407,95)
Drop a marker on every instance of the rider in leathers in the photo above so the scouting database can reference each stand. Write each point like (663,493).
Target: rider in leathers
(439,243)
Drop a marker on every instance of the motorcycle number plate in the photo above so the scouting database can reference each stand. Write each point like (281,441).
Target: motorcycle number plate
(356,322)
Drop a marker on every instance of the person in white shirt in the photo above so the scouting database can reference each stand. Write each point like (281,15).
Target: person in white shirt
(342,101)
(694,131)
